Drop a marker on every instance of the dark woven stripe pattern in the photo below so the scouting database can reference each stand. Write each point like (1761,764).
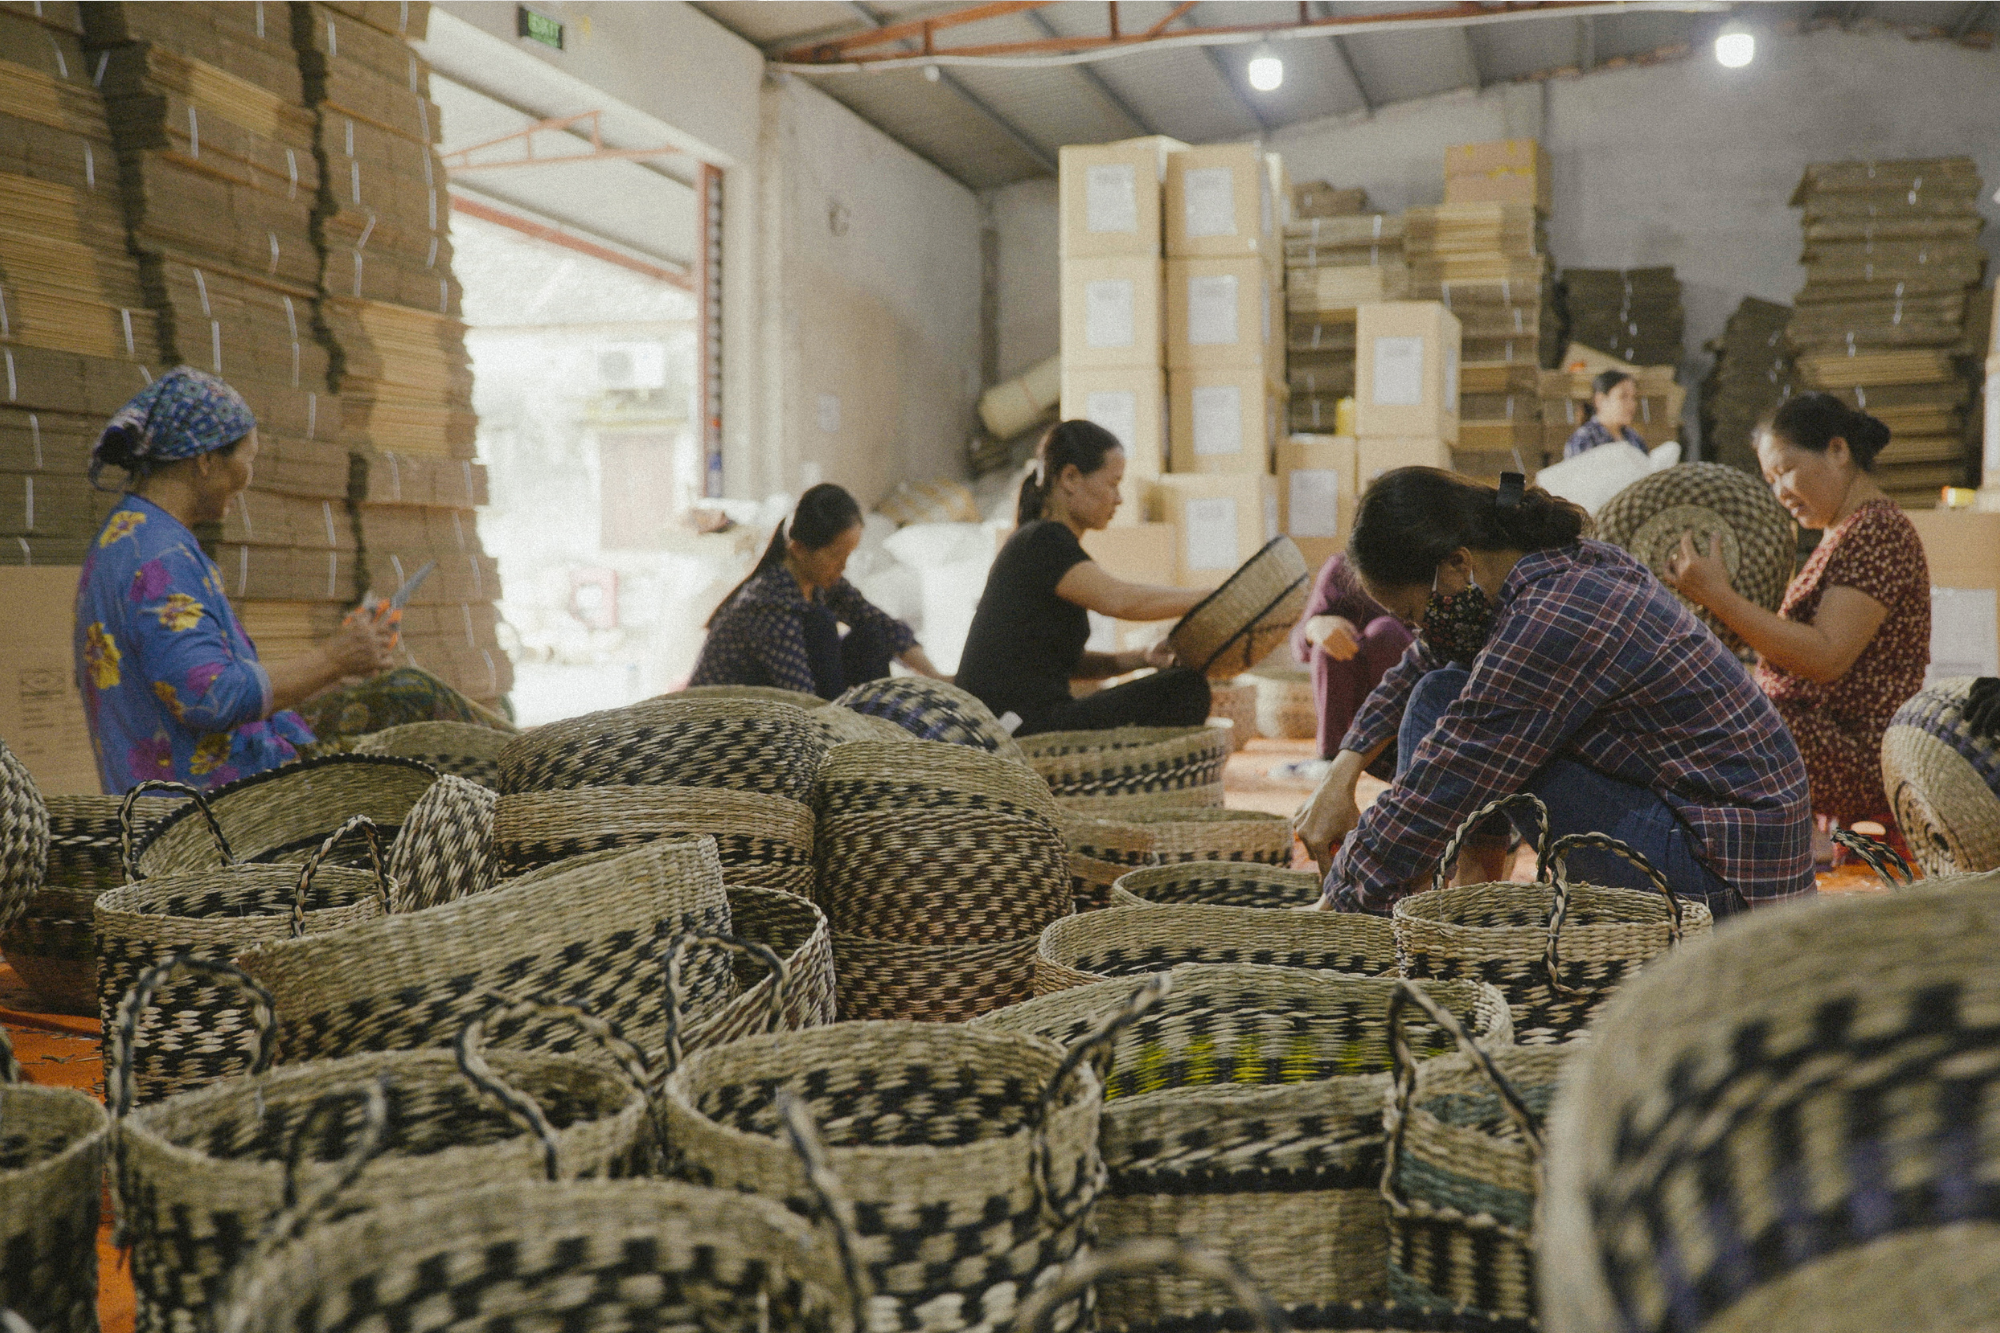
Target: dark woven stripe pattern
(737,745)
(1935,712)
(878,979)
(52,1152)
(951,877)
(24,836)
(931,711)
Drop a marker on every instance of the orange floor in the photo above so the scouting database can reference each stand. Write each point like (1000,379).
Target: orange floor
(62,1051)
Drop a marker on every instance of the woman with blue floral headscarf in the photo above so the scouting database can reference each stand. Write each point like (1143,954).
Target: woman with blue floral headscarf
(171,685)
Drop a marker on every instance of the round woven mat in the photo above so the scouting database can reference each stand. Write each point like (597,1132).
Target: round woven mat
(1236,626)
(1759,540)
(1943,782)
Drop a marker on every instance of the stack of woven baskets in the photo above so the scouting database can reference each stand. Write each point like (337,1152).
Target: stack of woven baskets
(1125,769)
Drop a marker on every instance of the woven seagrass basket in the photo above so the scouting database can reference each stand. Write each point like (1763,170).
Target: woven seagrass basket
(463,749)
(52,1149)
(196,1032)
(1557,950)
(839,726)
(1111,846)
(1286,708)
(52,945)
(1709,500)
(1788,1128)
(760,839)
(745,745)
(591,935)
(445,849)
(1236,626)
(1943,782)
(1462,1169)
(1130,942)
(283,815)
(1246,1107)
(199,1175)
(798,993)
(932,710)
(625,1254)
(1216,884)
(769,694)
(1121,769)
(970,1155)
(1236,704)
(24,836)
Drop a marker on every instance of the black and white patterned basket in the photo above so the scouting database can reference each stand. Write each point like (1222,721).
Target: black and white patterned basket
(745,745)
(52,1150)
(24,836)
(445,849)
(464,749)
(932,710)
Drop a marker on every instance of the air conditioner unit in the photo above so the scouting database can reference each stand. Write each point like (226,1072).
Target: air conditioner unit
(632,366)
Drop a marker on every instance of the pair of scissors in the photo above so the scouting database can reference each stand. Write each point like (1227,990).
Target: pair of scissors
(376,609)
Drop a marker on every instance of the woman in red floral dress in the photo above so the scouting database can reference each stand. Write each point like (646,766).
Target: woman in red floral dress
(1852,638)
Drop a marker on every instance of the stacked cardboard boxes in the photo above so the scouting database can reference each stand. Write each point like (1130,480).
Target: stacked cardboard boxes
(388,317)
(1333,265)
(1891,254)
(1752,375)
(1633,314)
(76,336)
(1406,390)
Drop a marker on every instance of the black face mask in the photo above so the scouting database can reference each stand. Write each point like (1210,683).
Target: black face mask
(1456,626)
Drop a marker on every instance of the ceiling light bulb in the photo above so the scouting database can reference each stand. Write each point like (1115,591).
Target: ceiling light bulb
(1267,72)
(1734,50)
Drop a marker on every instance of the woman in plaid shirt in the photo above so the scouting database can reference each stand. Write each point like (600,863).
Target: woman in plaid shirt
(1560,666)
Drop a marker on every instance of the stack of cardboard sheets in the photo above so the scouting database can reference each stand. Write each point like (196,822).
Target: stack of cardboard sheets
(1751,376)
(76,336)
(388,319)
(1334,264)
(1633,314)
(1892,254)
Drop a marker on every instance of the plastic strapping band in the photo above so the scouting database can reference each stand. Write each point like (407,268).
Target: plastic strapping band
(260,20)
(471,640)
(470,499)
(366,232)
(295,363)
(332,40)
(201,286)
(458,529)
(312,414)
(292,167)
(126,316)
(350,134)
(35,433)
(28,501)
(395,477)
(215,343)
(97,79)
(194,134)
(354,179)
(27,555)
(272,236)
(291,318)
(357,274)
(478,583)
(431,259)
(242,571)
(326,508)
(5,332)
(62,65)
(243,510)
(332,576)
(89,167)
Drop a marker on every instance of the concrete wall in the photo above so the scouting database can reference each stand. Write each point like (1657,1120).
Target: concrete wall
(1685,163)
(1025,217)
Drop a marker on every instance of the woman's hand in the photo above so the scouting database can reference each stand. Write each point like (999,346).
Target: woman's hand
(1160,655)
(1331,813)
(1335,636)
(362,647)
(917,660)
(1702,579)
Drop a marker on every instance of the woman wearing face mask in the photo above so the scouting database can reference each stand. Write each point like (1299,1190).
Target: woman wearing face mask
(1559,666)
(1851,641)
(1027,639)
(781,625)
(1613,403)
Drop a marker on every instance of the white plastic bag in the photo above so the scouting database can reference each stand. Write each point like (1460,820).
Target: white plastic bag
(1595,475)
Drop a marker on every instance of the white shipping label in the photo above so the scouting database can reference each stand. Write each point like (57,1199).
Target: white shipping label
(1992,461)
(1218,420)
(1270,516)
(1110,312)
(1313,497)
(1211,310)
(1965,633)
(1399,372)
(1211,534)
(1117,410)
(1111,198)
(1208,197)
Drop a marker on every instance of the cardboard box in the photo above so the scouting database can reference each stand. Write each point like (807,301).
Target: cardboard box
(1376,454)
(1110,194)
(1219,521)
(1318,488)
(1219,203)
(1138,553)
(1224,312)
(1406,370)
(1990,442)
(41,713)
(1222,419)
(1962,548)
(1319,550)
(1111,312)
(1502,171)
(1131,403)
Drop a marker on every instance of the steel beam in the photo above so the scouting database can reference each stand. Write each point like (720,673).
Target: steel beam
(1969,20)
(1470,50)
(1091,76)
(946,79)
(1346,59)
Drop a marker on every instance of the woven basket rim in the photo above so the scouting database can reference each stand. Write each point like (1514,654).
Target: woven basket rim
(91,1131)
(1646,908)
(216,797)
(1055,744)
(1242,586)
(112,904)
(1180,922)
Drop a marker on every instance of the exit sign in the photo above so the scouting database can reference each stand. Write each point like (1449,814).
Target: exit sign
(538,27)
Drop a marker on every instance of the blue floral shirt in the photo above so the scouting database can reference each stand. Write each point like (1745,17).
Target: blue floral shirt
(171,684)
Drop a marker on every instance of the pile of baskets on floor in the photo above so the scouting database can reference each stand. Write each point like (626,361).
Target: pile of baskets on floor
(388,1046)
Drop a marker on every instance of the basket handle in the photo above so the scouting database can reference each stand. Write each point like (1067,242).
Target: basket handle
(125,1027)
(1880,857)
(1557,865)
(1148,1255)
(1523,800)
(1097,1049)
(130,854)
(524,1110)
(687,942)
(372,835)
(829,1197)
(1403,1067)
(13,1323)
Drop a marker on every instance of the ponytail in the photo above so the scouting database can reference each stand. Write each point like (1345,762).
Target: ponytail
(1812,421)
(1079,444)
(822,514)
(1413,518)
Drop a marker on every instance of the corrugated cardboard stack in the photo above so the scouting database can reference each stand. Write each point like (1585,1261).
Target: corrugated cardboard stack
(1632,314)
(1332,266)
(1891,253)
(76,338)
(217,180)
(388,317)
(1752,375)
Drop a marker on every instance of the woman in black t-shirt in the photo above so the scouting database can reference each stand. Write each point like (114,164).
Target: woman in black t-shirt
(1027,639)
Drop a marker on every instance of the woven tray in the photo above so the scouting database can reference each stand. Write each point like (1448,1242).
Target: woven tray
(1236,626)
(1943,782)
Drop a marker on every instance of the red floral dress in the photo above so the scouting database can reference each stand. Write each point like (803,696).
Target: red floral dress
(1839,725)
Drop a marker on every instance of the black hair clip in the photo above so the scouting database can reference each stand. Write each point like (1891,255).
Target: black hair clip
(1512,487)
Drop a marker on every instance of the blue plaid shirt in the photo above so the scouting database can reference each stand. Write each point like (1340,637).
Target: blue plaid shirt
(1590,659)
